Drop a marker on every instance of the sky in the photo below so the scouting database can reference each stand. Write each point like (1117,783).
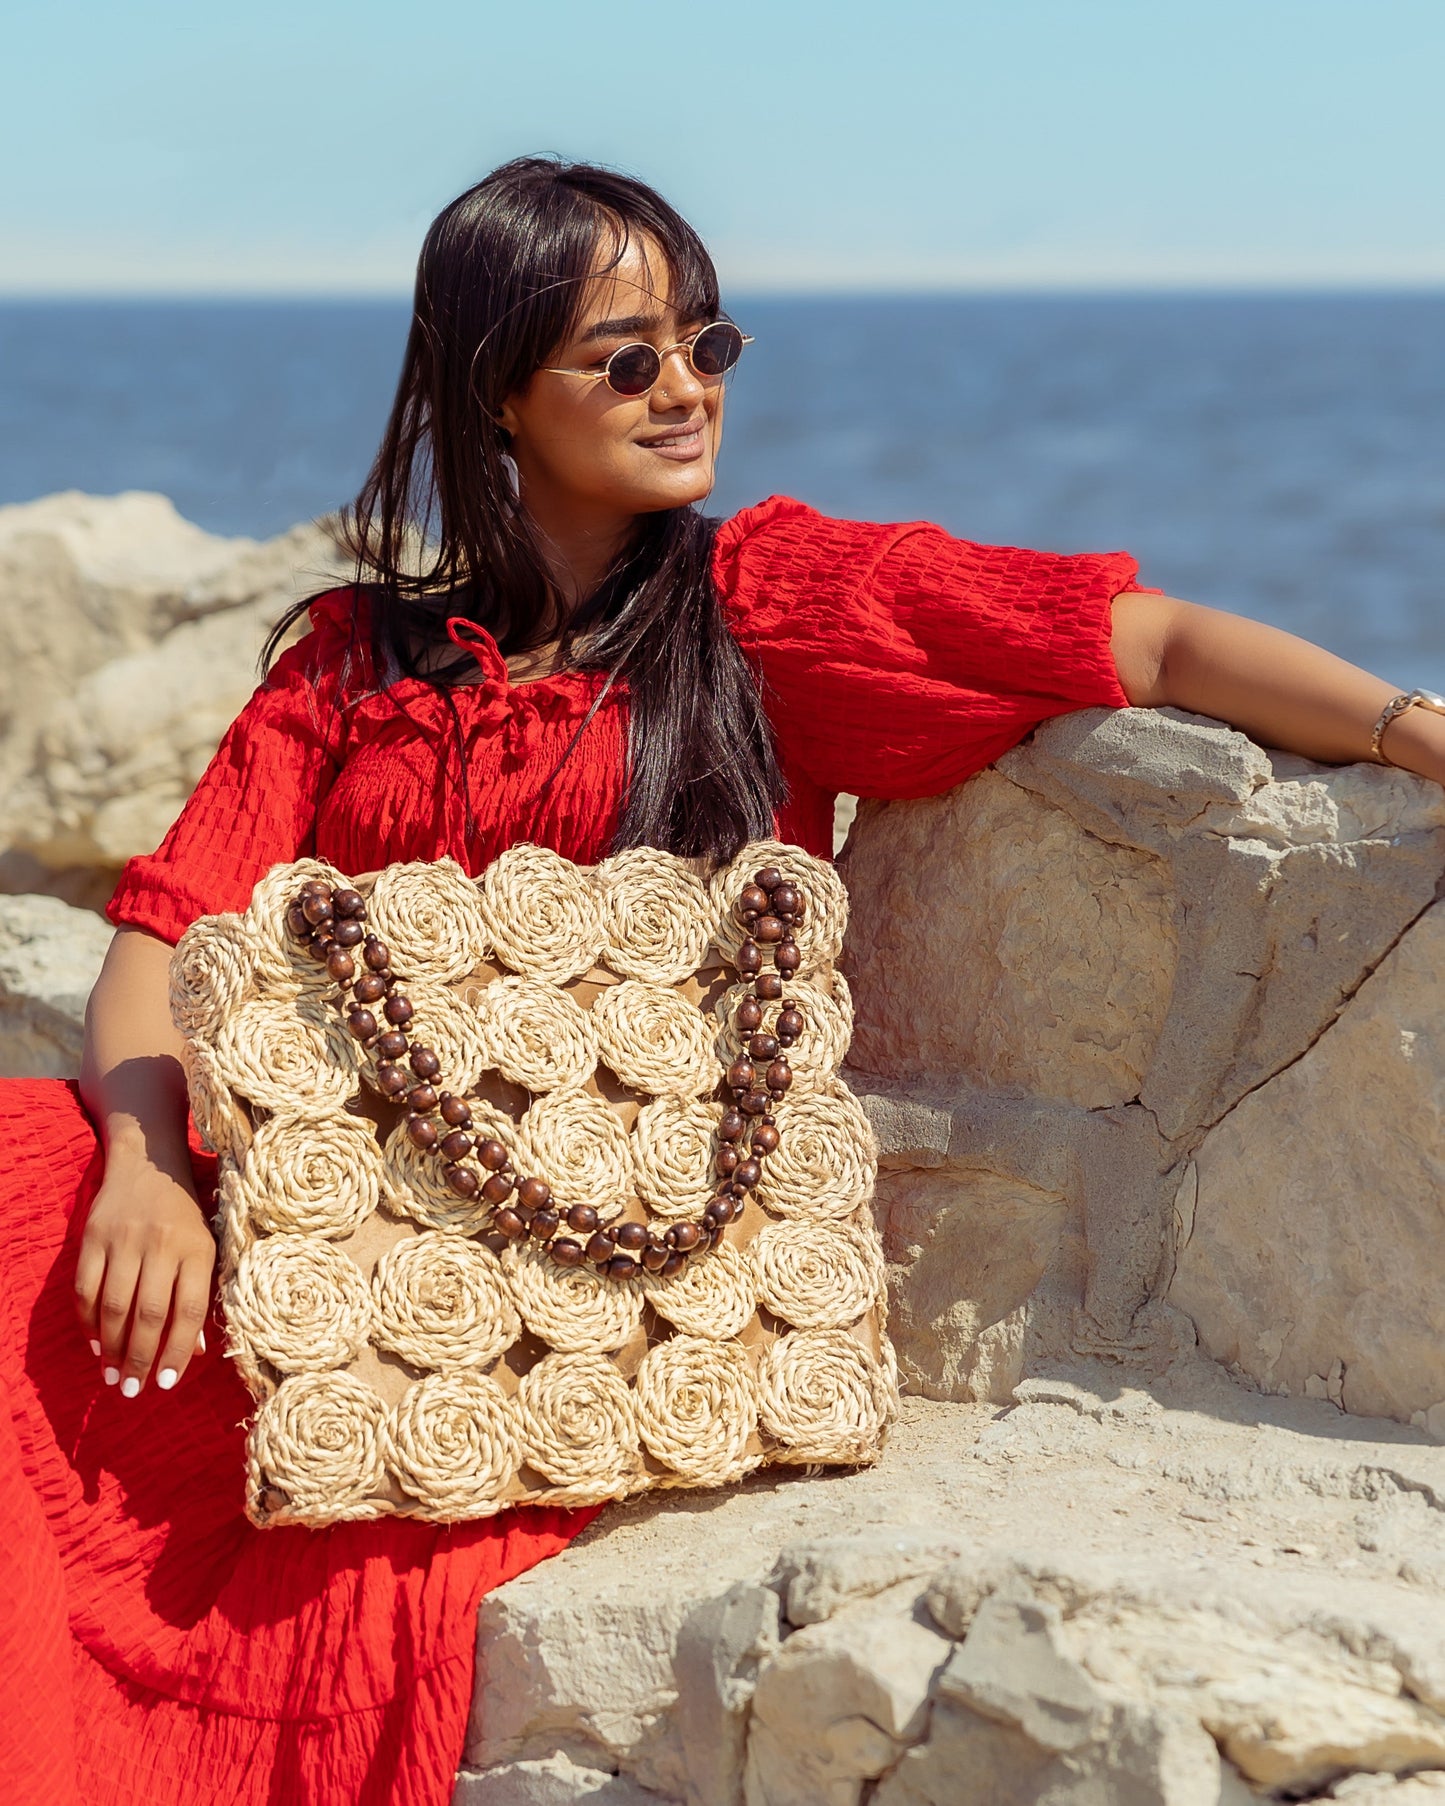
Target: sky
(301,146)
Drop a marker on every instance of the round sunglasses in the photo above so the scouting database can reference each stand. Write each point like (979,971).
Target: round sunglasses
(633,369)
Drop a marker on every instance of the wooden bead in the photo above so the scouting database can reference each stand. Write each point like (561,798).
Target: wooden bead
(349,902)
(422,1099)
(750,1015)
(769,929)
(456,1144)
(750,957)
(672,1266)
(566,1252)
(315,887)
(790,1021)
(316,909)
(319,949)
(780,1076)
(424,1063)
(601,1248)
(545,1224)
(508,1222)
(765,1139)
(788,957)
(740,1075)
(768,879)
(754,898)
(655,1259)
(369,989)
(392,1045)
(731,1126)
(582,1218)
(497,1187)
(296,922)
(390,1078)
(762,1047)
(397,1009)
(786,899)
(631,1237)
(362,1024)
(421,1133)
(769,986)
(718,1211)
(455,1111)
(463,1181)
(748,1174)
(348,934)
(685,1236)
(536,1194)
(375,955)
(622,1266)
(492,1154)
(726,1159)
(755,1103)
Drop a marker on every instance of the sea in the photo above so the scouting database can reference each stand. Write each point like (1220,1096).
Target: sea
(1279,455)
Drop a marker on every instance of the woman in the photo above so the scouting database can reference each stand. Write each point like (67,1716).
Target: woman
(551,645)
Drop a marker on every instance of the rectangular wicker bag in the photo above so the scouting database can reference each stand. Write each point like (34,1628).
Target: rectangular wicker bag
(537,1187)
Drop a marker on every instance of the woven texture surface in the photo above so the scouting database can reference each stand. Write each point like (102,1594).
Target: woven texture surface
(404,1356)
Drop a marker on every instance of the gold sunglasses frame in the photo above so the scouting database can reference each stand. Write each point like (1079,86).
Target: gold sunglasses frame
(664,352)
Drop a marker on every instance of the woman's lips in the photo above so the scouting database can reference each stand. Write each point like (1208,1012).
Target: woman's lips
(682,446)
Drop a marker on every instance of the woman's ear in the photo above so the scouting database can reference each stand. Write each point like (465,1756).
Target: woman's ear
(505,418)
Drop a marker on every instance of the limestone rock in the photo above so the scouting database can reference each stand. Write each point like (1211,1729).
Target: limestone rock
(50,956)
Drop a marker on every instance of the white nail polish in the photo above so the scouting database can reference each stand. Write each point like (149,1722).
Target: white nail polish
(130,1387)
(95,1348)
(201,1341)
(112,1376)
(167,1378)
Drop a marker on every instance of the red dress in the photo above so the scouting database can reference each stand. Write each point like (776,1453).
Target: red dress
(153,1646)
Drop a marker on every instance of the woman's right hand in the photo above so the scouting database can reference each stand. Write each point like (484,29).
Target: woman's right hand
(143,1280)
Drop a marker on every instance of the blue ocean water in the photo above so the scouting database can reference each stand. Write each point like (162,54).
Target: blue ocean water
(1283,456)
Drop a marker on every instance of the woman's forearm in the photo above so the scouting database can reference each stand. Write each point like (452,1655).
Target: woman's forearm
(1278,689)
(131,1077)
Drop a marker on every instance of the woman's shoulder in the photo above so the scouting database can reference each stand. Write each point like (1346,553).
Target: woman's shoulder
(336,640)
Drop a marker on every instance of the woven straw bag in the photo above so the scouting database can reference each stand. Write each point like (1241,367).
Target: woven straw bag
(538,1187)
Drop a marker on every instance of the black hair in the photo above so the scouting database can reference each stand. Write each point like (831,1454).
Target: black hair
(435,530)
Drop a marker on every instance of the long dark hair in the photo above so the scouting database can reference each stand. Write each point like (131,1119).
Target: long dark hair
(436,531)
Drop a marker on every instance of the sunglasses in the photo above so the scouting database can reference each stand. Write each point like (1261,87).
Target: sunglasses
(633,369)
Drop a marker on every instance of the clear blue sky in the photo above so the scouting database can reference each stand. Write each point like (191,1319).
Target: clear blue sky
(289,145)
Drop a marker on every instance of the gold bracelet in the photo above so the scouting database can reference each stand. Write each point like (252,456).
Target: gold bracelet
(1407,699)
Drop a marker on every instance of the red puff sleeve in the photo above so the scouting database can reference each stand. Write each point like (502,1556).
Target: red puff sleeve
(257,801)
(896,660)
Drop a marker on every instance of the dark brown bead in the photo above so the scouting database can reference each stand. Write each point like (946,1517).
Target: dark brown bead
(362,1024)
(315,887)
(750,1015)
(786,899)
(368,989)
(622,1266)
(673,1265)
(456,1144)
(349,902)
(463,1181)
(601,1248)
(492,1154)
(316,909)
(497,1187)
(391,1045)
(747,917)
(455,1112)
(753,897)
(768,879)
(748,1174)
(790,1022)
(398,1009)
(765,1139)
(719,1211)
(750,957)
(631,1237)
(423,1099)
(769,929)
(421,1133)
(348,934)
(726,1159)
(731,1126)
(375,954)
(545,1224)
(740,1075)
(780,1076)
(769,986)
(755,1103)
(788,957)
(424,1063)
(390,1078)
(582,1218)
(566,1252)
(536,1194)
(762,1047)
(655,1259)
(319,949)
(685,1236)
(508,1222)
(296,921)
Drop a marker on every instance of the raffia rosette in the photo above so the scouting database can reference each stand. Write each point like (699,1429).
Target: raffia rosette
(431,918)
(413,1185)
(573,1141)
(570,1308)
(819,935)
(535,1034)
(824,1397)
(827,1029)
(543,913)
(317,1442)
(444,1024)
(317,1173)
(711,1298)
(818,1275)
(578,1426)
(299,1303)
(657,915)
(826,1161)
(443,1301)
(655,1040)
(674,1141)
(274,1058)
(282,966)
(697,1409)
(222,1123)
(212,971)
(450,1444)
